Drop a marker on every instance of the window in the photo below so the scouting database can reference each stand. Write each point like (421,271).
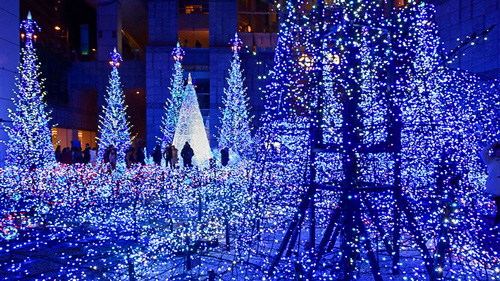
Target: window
(193,6)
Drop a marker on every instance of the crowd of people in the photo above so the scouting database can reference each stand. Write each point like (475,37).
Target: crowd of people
(171,155)
(76,155)
(132,155)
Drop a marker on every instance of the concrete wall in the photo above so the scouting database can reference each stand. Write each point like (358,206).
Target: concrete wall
(458,19)
(162,22)
(9,61)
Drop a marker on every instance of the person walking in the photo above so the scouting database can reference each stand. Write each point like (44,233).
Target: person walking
(187,154)
(129,156)
(107,152)
(140,157)
(493,181)
(66,156)
(77,154)
(167,154)
(93,155)
(175,156)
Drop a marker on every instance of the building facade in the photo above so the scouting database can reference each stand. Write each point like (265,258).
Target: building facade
(203,29)
(459,19)
(77,37)
(9,61)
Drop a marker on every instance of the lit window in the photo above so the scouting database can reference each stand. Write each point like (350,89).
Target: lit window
(191,9)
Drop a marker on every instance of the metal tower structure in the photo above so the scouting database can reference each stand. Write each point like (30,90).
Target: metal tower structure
(346,229)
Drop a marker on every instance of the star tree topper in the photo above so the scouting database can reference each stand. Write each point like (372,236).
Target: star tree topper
(116,58)
(178,53)
(30,26)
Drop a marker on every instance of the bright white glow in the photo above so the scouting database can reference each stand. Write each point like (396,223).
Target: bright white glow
(190,128)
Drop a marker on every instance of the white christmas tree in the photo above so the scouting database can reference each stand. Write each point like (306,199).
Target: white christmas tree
(190,127)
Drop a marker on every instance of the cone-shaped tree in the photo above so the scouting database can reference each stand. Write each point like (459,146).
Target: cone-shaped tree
(190,127)
(234,133)
(114,127)
(173,105)
(29,142)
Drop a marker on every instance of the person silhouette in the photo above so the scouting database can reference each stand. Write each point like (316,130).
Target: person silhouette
(187,154)
(167,154)
(224,156)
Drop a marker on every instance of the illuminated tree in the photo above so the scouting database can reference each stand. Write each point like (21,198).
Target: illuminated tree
(283,87)
(234,134)
(29,142)
(190,127)
(114,127)
(384,181)
(173,105)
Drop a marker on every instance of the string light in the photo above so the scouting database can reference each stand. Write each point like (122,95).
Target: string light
(397,130)
(190,127)
(29,144)
(234,134)
(173,105)
(114,127)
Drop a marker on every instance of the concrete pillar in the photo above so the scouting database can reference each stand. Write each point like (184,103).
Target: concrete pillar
(223,18)
(159,63)
(109,28)
(9,61)
(163,22)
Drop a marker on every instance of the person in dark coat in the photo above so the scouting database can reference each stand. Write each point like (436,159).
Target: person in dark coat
(140,157)
(113,157)
(187,154)
(157,155)
(167,154)
(77,154)
(224,156)
(58,154)
(175,156)
(86,154)
(66,156)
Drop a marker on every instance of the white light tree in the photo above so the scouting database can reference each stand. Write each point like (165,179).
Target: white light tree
(190,127)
